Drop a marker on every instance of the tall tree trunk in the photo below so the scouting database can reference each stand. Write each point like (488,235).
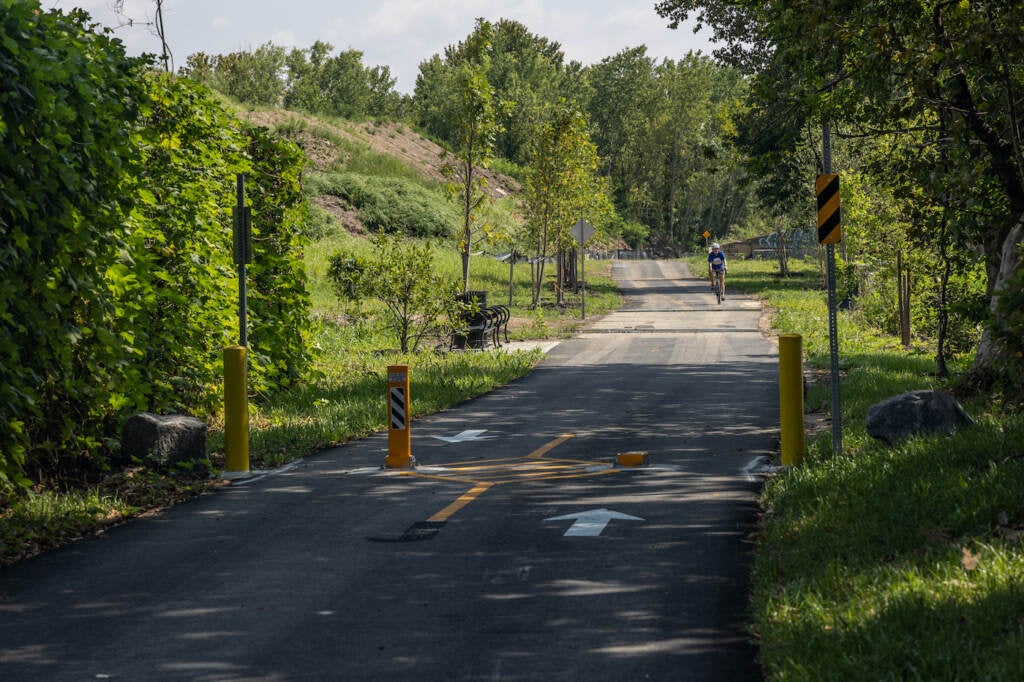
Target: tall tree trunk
(781,241)
(1009,265)
(943,323)
(560,279)
(467,225)
(1003,261)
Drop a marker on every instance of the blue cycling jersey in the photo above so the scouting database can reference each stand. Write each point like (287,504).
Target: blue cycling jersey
(717,260)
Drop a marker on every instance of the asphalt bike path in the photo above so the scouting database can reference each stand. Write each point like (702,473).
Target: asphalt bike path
(517,549)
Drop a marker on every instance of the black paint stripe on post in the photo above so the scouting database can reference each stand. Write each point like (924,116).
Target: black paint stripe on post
(398,408)
(829,214)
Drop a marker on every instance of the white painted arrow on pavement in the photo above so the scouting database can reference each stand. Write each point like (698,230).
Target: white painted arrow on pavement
(473,434)
(592,522)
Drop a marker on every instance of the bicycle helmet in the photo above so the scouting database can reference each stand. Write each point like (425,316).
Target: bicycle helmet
(715,246)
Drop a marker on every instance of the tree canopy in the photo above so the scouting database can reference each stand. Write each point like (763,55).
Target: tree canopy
(940,79)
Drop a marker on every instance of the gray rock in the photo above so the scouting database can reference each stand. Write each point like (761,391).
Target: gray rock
(916,412)
(163,439)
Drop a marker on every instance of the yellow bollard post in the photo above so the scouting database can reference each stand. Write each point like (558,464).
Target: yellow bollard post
(791,398)
(399,419)
(236,410)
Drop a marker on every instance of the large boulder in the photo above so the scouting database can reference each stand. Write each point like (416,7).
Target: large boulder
(163,439)
(916,412)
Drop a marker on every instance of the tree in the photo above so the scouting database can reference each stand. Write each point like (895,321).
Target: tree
(418,303)
(563,185)
(474,127)
(625,98)
(887,70)
(526,72)
(251,77)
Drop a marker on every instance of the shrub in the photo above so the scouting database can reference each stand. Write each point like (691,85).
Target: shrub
(392,205)
(64,152)
(417,302)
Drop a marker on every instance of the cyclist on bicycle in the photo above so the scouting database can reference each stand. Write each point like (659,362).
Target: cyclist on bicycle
(716,264)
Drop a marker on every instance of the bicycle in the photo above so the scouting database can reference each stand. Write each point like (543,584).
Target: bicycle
(719,285)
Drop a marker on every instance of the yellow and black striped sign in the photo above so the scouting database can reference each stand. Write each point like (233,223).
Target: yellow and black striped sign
(827,187)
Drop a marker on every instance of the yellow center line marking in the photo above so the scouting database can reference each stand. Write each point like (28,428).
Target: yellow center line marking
(544,449)
(529,470)
(458,504)
(442,477)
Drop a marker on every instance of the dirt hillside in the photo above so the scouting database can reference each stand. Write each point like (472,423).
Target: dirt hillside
(392,139)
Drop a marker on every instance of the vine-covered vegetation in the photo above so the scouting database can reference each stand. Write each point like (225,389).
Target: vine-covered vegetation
(117,288)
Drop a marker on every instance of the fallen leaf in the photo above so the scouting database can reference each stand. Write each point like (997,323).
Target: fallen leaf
(969,560)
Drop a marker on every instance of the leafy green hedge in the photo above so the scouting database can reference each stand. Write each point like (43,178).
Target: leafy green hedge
(117,288)
(392,205)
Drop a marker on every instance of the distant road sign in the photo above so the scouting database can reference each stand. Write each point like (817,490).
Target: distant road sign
(706,234)
(582,231)
(829,231)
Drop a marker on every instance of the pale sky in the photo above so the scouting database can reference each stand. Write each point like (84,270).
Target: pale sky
(395,33)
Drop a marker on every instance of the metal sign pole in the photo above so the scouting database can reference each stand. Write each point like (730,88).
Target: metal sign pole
(833,327)
(242,253)
(583,279)
(582,231)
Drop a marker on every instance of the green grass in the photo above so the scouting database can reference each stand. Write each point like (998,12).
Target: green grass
(887,562)
(45,518)
(49,518)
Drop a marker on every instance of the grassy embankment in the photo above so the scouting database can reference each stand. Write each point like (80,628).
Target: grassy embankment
(344,397)
(887,562)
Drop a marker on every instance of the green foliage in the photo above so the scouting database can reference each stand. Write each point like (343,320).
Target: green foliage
(632,232)
(279,302)
(63,154)
(389,204)
(348,273)
(417,302)
(185,280)
(886,562)
(926,83)
(307,80)
(249,77)
(117,290)
(562,186)
(338,85)
(475,125)
(180,299)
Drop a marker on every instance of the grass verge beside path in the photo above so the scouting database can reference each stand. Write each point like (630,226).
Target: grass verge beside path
(887,563)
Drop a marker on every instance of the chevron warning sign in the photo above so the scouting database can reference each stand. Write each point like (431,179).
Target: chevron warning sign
(827,187)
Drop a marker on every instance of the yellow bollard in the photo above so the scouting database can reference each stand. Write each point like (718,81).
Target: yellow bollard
(399,419)
(236,410)
(791,398)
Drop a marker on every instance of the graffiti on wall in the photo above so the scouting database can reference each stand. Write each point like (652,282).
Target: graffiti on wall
(795,238)
(799,242)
